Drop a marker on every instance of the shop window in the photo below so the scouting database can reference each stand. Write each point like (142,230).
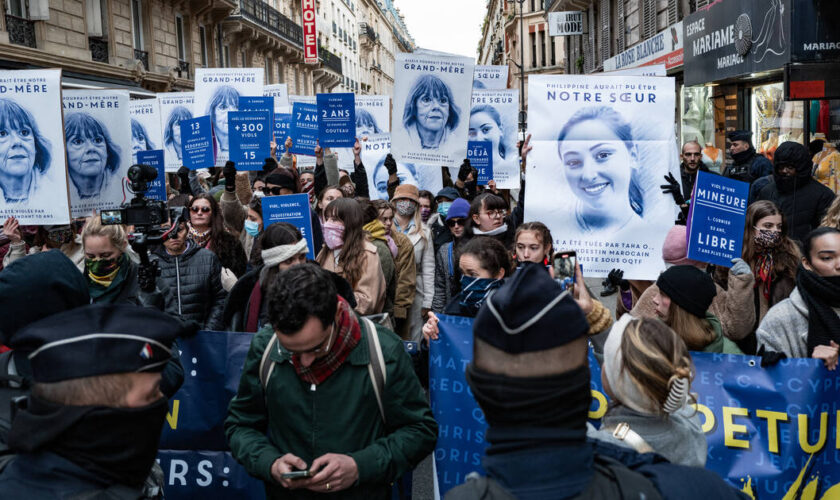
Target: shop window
(774,120)
(697,123)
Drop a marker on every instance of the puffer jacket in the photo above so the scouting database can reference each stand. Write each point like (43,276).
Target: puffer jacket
(194,283)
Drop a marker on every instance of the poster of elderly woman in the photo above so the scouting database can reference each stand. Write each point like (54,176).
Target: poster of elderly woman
(217,92)
(431,108)
(98,148)
(145,126)
(174,107)
(374,151)
(33,180)
(493,117)
(601,146)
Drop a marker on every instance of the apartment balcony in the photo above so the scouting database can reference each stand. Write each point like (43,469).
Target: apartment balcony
(329,60)
(143,57)
(271,20)
(98,49)
(183,69)
(367,34)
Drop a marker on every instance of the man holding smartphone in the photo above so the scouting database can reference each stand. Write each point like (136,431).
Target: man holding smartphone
(307,415)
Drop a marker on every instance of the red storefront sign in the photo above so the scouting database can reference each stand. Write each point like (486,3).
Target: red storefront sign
(310,33)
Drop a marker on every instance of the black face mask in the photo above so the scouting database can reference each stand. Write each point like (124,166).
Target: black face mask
(785,183)
(743,156)
(118,444)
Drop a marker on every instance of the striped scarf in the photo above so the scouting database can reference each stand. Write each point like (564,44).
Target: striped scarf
(346,338)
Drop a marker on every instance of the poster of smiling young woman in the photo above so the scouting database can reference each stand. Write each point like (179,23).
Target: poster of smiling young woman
(145,126)
(374,151)
(493,117)
(174,107)
(98,148)
(601,147)
(33,180)
(217,91)
(431,103)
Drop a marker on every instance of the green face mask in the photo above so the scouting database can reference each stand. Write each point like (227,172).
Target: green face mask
(101,268)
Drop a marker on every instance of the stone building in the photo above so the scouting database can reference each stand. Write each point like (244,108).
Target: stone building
(382,34)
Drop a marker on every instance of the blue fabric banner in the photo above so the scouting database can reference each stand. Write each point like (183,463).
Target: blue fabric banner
(336,120)
(294,209)
(154,158)
(716,226)
(304,129)
(197,143)
(481,158)
(250,138)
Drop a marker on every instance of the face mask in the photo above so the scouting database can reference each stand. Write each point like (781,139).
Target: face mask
(443,208)
(333,235)
(101,268)
(475,290)
(252,228)
(425,213)
(406,208)
(258,194)
(767,238)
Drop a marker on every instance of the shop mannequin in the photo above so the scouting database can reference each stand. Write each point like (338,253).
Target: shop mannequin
(827,164)
(712,157)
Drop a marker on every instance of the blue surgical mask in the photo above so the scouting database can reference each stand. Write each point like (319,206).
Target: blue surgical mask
(443,208)
(474,290)
(252,228)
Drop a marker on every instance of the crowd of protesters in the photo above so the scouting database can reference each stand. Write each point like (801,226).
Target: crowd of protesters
(326,385)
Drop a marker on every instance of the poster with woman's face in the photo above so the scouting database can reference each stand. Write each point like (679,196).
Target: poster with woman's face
(373,116)
(431,108)
(174,107)
(145,126)
(98,148)
(280,93)
(374,150)
(601,147)
(217,92)
(33,179)
(493,117)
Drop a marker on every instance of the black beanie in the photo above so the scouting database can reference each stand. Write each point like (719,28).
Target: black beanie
(740,135)
(281,179)
(794,154)
(689,288)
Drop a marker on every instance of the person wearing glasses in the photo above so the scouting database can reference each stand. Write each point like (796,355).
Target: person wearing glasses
(314,409)
(447,283)
(489,216)
(206,229)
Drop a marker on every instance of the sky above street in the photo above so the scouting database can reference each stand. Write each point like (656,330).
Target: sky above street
(446,25)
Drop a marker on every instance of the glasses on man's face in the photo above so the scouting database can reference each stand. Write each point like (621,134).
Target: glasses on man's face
(204,210)
(273,191)
(320,348)
(496,214)
(455,222)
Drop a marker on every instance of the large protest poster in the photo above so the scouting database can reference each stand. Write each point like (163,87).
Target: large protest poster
(174,107)
(601,147)
(490,77)
(217,92)
(373,114)
(154,158)
(336,119)
(493,117)
(304,128)
(280,93)
(716,221)
(294,209)
(196,143)
(431,101)
(98,148)
(33,184)
(374,151)
(145,126)
(769,430)
(250,138)
(307,158)
(480,154)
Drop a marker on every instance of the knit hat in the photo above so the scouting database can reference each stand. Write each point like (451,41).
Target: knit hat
(740,135)
(449,193)
(795,154)
(675,247)
(621,384)
(689,288)
(407,191)
(459,209)
(281,179)
(529,312)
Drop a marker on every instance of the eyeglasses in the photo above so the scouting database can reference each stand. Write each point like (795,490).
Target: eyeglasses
(275,191)
(455,222)
(319,349)
(496,213)
(194,209)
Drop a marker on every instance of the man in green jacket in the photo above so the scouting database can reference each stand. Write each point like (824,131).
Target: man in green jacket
(318,409)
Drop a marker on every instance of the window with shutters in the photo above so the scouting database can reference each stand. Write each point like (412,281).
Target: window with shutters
(605,32)
(202,40)
(673,12)
(179,37)
(533,38)
(620,26)
(590,57)
(648,19)
(137,24)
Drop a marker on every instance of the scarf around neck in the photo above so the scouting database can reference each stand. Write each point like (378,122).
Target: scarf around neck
(821,295)
(107,294)
(200,238)
(347,335)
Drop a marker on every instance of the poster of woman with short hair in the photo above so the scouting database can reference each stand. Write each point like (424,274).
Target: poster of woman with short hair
(33,179)
(431,108)
(174,107)
(98,148)
(217,92)
(374,150)
(601,147)
(145,126)
(494,117)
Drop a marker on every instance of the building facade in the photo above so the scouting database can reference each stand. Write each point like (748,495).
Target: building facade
(491,47)
(382,35)
(338,26)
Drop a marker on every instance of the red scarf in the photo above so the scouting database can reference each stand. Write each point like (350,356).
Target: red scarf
(764,273)
(346,338)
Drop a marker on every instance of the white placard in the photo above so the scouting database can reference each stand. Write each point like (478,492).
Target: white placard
(565,23)
(174,107)
(493,117)
(373,154)
(145,126)
(490,77)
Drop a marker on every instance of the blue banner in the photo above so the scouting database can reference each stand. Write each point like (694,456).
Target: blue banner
(282,128)
(154,158)
(304,128)
(197,143)
(772,431)
(480,154)
(294,209)
(716,226)
(250,138)
(337,120)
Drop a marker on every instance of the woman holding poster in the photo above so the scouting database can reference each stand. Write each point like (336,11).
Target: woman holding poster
(430,112)
(92,157)
(24,153)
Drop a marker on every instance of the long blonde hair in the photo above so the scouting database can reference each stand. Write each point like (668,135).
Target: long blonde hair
(696,332)
(115,233)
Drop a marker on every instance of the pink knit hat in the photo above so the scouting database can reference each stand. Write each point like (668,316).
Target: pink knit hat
(675,248)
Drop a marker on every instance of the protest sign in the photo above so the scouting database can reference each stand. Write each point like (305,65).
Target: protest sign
(600,150)
(145,126)
(374,151)
(373,114)
(493,117)
(250,138)
(768,429)
(154,158)
(98,148)
(217,92)
(294,209)
(479,154)
(263,104)
(716,222)
(280,93)
(490,77)
(174,107)
(336,120)
(431,99)
(33,188)
(282,129)
(304,129)
(196,142)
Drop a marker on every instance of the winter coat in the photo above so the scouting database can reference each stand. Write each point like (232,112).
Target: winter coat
(370,290)
(386,261)
(195,287)
(751,167)
(406,276)
(785,328)
(441,235)
(720,344)
(803,208)
(446,286)
(341,416)
(424,259)
(687,179)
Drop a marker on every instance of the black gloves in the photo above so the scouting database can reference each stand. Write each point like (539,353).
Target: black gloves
(147,276)
(616,277)
(391,165)
(673,188)
(770,358)
(269,166)
(229,171)
(184,176)
(465,170)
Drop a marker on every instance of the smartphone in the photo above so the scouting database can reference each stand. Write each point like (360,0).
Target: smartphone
(298,474)
(565,262)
